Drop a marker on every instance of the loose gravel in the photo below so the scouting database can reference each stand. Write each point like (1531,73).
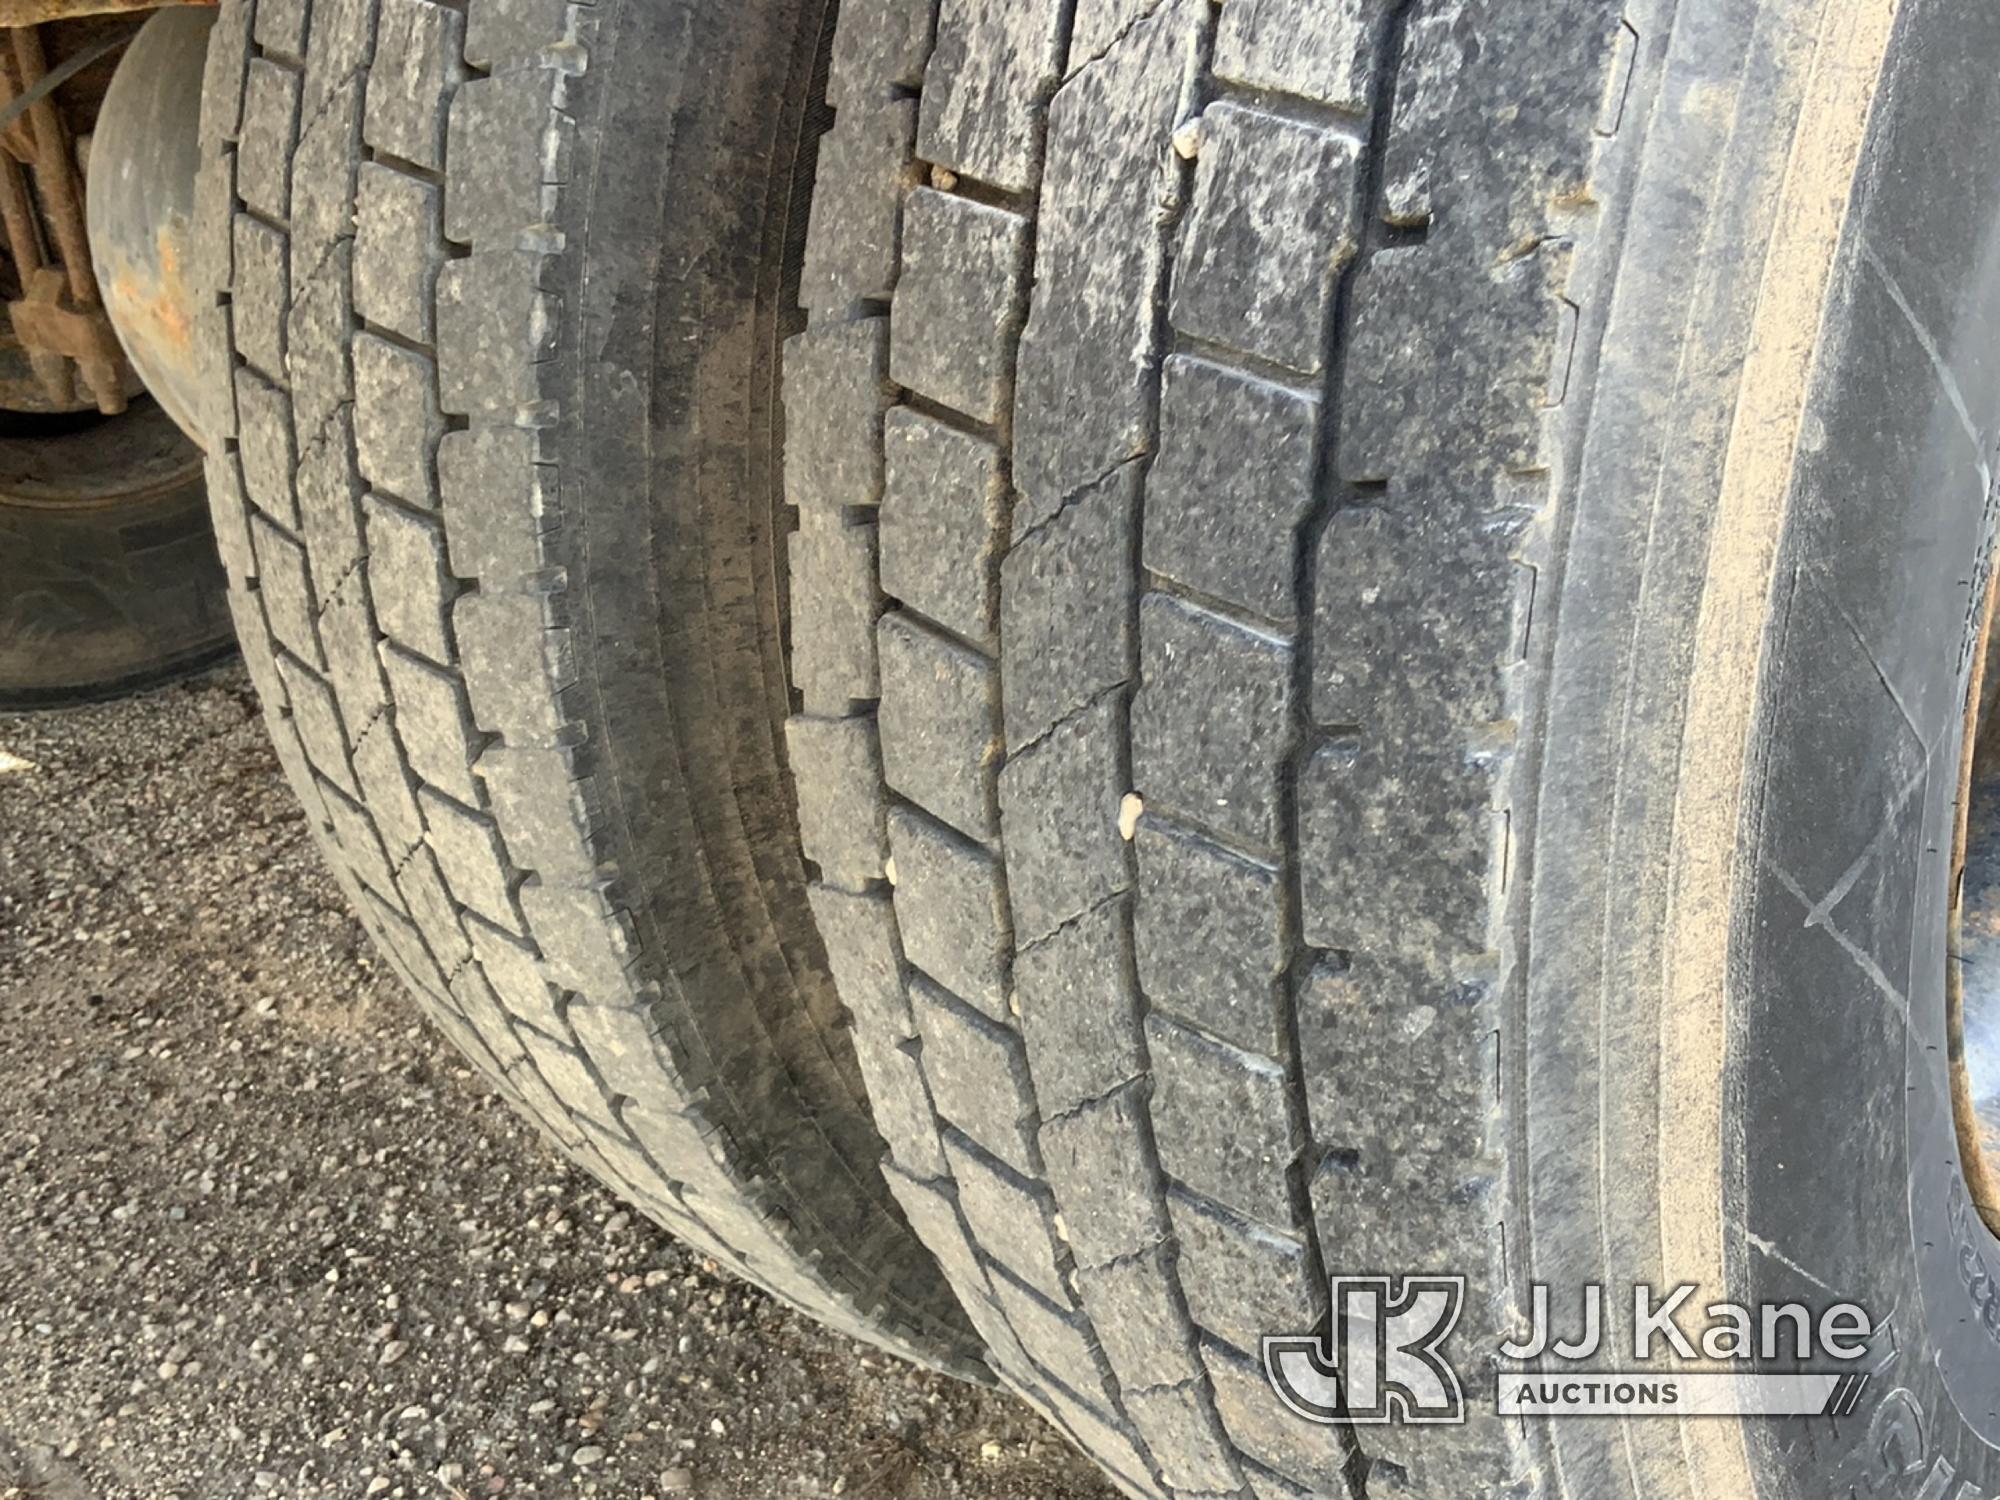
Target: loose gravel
(262,1232)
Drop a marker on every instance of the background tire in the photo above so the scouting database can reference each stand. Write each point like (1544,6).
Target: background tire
(108,574)
(501,290)
(1255,576)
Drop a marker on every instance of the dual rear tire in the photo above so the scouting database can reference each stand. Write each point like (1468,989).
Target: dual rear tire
(1045,672)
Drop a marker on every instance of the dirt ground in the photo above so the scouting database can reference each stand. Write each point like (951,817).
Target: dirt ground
(262,1233)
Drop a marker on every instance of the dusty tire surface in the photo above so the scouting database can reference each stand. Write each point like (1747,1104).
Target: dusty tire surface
(1172,777)
(1275,493)
(108,575)
(496,290)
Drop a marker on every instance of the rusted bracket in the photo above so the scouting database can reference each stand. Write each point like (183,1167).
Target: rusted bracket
(54,331)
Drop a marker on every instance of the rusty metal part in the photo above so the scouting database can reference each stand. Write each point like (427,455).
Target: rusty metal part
(142,189)
(42,321)
(35,12)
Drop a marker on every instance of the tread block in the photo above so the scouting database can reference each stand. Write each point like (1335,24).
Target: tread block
(836,391)
(1098,25)
(264,440)
(511,968)
(547,1110)
(496,332)
(386,786)
(516,665)
(992,66)
(471,1042)
(1010,1217)
(407,579)
(287,589)
(586,942)
(1420,392)
(943,507)
(504,34)
(342,41)
(951,908)
(1458,60)
(262,291)
(1222,1122)
(403,945)
(1416,611)
(397,247)
(432,908)
(1208,938)
(316,716)
(397,423)
(884,45)
(1109,1444)
(1058,1343)
(1241,1280)
(851,239)
(1179,1427)
(499,501)
(935,1219)
(901,1102)
(623,1044)
(958,301)
(223,74)
(1066,633)
(433,723)
(417,51)
(1418,1048)
(329,501)
(680,1146)
(940,724)
(318,332)
(1143,1327)
(1211,725)
(1059,805)
(834,605)
(506,140)
(542,810)
(1106,1179)
(1215,522)
(1272,222)
(347,632)
(569,1073)
(1362,810)
(1322,50)
(1079,407)
(860,936)
(1080,1010)
(361,850)
(323,167)
(469,852)
(1263,1427)
(837,771)
(232,515)
(264,147)
(977,1073)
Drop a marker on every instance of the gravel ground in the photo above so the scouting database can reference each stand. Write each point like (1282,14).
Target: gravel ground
(265,1234)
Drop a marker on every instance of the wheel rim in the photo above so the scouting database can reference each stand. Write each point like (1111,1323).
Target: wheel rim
(1972,967)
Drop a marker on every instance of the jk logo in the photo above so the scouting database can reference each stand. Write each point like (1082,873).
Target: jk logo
(1379,1359)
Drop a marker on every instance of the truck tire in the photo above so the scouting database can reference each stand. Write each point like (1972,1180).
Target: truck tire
(108,575)
(1353,733)
(498,291)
